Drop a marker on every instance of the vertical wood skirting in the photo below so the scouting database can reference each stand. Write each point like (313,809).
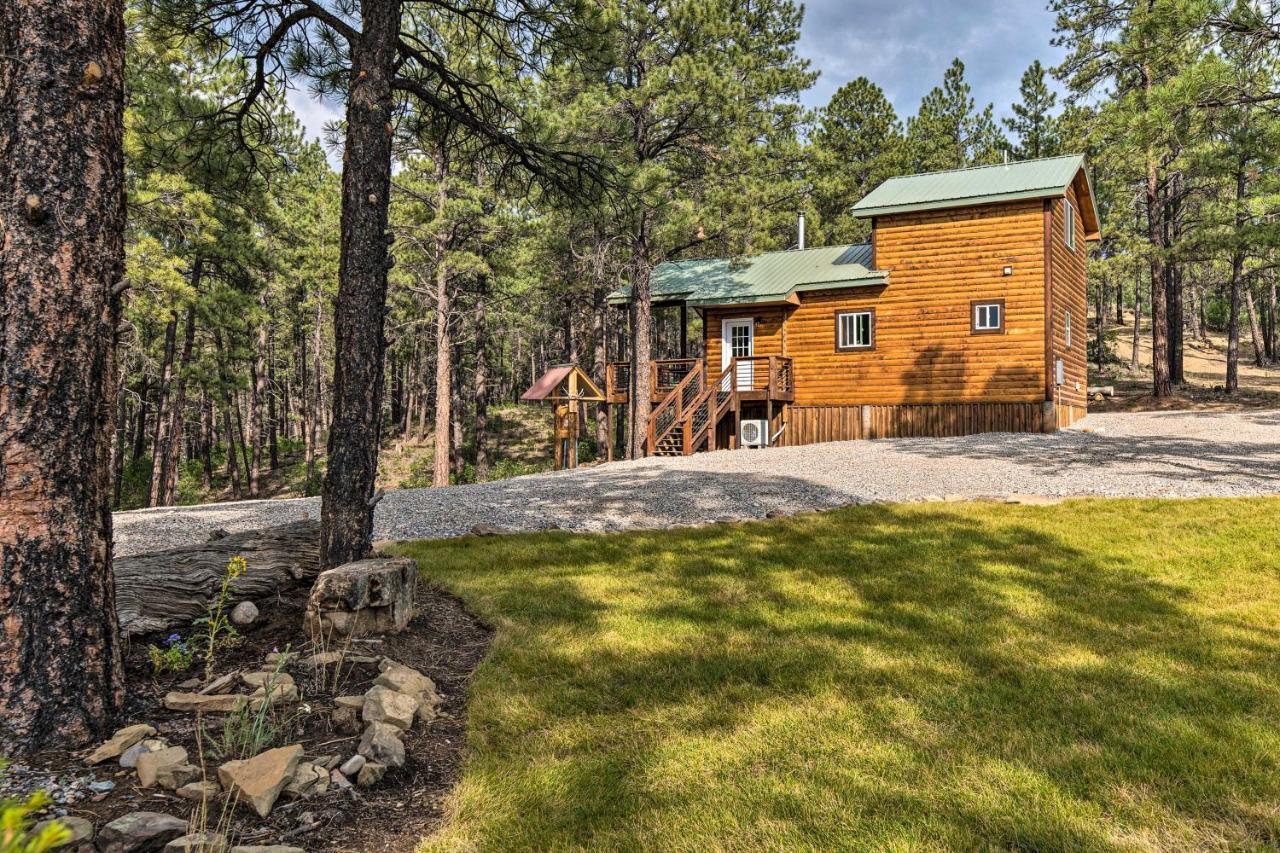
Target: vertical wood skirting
(815,424)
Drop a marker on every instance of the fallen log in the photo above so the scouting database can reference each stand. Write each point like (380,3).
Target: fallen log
(170,589)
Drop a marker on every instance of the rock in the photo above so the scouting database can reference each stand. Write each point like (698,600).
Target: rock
(280,694)
(307,780)
(328,762)
(373,596)
(81,830)
(190,683)
(198,842)
(381,743)
(129,758)
(404,679)
(382,705)
(152,764)
(321,659)
(345,719)
(203,790)
(244,614)
(427,712)
(140,831)
(486,530)
(102,787)
(338,780)
(267,848)
(119,742)
(353,702)
(371,774)
(262,679)
(224,704)
(173,778)
(259,780)
(219,684)
(352,765)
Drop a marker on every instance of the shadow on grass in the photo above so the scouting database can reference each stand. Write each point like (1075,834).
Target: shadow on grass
(978,676)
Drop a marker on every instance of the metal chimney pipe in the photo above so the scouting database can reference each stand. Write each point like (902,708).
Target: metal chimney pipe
(800,231)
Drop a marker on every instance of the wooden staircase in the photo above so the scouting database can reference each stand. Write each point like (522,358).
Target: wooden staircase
(687,419)
(690,405)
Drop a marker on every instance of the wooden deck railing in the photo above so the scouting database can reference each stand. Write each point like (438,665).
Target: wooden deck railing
(664,375)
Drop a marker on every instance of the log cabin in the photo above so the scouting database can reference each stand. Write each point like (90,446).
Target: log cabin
(963,313)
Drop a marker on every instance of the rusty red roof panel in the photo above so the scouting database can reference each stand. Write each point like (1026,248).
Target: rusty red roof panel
(547,383)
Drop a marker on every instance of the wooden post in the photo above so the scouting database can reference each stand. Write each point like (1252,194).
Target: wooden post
(684,330)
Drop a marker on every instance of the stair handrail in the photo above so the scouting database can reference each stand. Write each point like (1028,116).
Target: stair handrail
(676,398)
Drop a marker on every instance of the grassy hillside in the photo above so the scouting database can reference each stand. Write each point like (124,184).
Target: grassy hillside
(520,443)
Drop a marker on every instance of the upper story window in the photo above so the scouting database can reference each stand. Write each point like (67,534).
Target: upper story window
(855,330)
(1069,224)
(986,318)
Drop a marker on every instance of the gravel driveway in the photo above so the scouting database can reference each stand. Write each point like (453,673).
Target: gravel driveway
(1153,454)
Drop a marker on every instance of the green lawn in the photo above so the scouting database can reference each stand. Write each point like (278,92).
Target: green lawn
(1094,675)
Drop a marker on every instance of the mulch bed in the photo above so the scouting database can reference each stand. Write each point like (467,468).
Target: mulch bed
(443,641)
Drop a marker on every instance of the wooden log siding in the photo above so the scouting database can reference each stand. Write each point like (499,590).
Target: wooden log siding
(939,262)
(1067,269)
(768,331)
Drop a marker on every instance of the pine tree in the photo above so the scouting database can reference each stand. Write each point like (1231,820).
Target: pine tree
(857,145)
(685,95)
(1033,124)
(948,133)
(1145,52)
(376,54)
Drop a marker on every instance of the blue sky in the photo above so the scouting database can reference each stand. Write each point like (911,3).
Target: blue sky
(902,45)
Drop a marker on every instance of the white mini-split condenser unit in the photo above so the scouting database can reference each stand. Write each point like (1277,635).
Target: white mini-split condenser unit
(753,433)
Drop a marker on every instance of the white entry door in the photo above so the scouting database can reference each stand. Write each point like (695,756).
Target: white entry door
(738,340)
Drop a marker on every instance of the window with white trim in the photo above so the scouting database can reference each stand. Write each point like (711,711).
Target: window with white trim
(988,317)
(1066,327)
(1069,224)
(855,330)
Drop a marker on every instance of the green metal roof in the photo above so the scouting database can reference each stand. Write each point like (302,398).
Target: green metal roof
(770,277)
(1026,179)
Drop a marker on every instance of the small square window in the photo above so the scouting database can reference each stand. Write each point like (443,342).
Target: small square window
(855,330)
(986,318)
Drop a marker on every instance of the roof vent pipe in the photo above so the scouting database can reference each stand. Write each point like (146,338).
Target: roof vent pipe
(800,231)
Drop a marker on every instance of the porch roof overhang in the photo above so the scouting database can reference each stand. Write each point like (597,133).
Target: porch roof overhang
(771,278)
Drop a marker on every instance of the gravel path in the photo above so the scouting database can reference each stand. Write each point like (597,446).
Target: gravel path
(1152,454)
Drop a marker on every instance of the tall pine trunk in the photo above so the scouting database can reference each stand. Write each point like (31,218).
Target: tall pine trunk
(1134,349)
(444,379)
(62,228)
(346,515)
(257,391)
(160,435)
(1255,331)
(641,325)
(480,380)
(1237,273)
(1162,385)
(169,492)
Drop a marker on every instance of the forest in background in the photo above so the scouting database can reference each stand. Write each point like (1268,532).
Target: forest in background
(226,354)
